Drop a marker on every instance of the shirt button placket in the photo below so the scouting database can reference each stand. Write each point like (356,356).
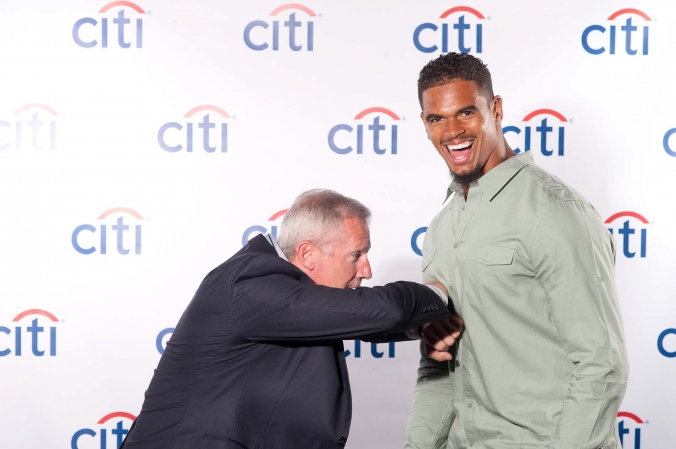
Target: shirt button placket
(470,406)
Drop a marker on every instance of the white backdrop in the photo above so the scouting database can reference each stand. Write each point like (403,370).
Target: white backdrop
(89,153)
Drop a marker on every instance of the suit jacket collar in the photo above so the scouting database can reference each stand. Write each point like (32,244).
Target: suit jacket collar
(260,244)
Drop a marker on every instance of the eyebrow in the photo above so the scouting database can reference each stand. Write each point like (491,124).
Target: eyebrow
(363,249)
(471,108)
(430,117)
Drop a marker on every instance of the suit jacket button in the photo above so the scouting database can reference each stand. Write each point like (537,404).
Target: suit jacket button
(342,441)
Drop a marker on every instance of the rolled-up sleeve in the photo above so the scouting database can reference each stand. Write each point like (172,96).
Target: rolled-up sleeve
(573,260)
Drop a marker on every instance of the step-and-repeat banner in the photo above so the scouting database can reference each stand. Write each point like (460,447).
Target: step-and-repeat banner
(142,143)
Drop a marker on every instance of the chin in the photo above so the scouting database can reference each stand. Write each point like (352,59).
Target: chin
(461,172)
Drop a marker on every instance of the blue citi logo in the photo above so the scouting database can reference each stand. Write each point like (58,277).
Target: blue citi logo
(629,429)
(661,346)
(343,139)
(80,32)
(21,331)
(162,339)
(272,227)
(82,241)
(626,232)
(416,241)
(595,39)
(375,353)
(179,139)
(665,142)
(113,424)
(543,129)
(257,39)
(427,38)
(39,130)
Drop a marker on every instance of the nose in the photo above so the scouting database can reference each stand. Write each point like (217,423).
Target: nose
(453,129)
(364,271)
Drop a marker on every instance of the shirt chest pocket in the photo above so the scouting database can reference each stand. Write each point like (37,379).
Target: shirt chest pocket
(490,255)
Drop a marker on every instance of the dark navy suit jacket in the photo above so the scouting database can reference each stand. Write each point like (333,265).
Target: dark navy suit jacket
(256,360)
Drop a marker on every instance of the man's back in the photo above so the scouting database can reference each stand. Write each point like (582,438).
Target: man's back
(257,358)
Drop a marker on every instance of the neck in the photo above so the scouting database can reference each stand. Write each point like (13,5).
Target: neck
(501,153)
(302,268)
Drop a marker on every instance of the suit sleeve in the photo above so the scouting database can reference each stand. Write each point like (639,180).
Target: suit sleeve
(409,334)
(572,255)
(387,338)
(280,307)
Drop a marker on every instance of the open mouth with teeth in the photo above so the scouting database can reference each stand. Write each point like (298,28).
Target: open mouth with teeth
(460,153)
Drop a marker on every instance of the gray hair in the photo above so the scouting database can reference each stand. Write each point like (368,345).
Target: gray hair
(317,215)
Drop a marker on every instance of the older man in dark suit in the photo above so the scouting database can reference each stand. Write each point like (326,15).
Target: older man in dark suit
(256,360)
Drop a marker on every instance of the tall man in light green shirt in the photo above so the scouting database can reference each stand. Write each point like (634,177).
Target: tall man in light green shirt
(530,269)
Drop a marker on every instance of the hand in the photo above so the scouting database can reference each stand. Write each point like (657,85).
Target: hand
(440,335)
(438,284)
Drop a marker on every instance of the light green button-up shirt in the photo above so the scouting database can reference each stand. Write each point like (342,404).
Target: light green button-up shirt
(542,363)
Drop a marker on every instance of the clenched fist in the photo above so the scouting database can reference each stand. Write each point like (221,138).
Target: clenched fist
(441,335)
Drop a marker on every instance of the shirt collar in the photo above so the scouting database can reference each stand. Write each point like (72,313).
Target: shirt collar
(492,182)
(271,239)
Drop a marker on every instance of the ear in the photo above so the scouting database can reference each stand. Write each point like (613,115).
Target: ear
(422,117)
(306,253)
(497,109)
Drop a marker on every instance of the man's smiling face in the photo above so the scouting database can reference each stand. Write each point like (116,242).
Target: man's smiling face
(464,127)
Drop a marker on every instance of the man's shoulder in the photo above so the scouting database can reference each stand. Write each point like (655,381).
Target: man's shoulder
(253,261)
(546,188)
(255,257)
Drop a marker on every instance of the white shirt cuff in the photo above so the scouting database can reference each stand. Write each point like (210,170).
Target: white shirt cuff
(440,292)
(413,334)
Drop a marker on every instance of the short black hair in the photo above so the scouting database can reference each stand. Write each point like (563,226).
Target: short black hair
(451,67)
